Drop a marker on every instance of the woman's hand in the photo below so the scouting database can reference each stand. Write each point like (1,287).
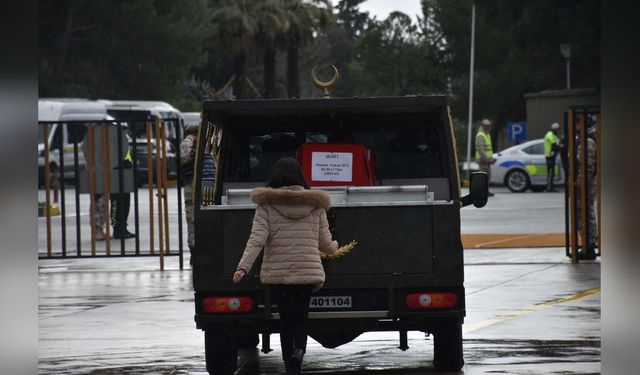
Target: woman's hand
(238,275)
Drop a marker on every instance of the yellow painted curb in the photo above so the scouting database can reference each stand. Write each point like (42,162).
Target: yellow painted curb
(494,241)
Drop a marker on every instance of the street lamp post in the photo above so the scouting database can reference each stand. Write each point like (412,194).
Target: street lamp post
(565,50)
(473,40)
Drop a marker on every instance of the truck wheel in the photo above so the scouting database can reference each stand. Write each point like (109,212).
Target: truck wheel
(447,348)
(221,352)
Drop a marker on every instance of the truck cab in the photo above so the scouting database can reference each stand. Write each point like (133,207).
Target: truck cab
(390,168)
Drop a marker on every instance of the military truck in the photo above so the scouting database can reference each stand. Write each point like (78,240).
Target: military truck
(389,165)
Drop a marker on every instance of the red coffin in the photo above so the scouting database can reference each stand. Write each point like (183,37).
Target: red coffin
(339,164)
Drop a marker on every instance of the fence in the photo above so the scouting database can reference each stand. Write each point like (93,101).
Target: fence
(98,165)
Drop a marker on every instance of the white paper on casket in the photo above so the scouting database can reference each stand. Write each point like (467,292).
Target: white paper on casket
(332,166)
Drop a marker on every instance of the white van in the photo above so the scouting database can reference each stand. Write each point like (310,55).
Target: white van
(134,111)
(57,112)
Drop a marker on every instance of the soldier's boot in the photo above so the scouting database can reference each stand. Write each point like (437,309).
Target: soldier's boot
(589,254)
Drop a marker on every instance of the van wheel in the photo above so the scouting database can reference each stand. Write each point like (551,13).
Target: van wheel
(221,352)
(447,347)
(517,181)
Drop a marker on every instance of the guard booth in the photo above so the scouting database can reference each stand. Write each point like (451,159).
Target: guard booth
(87,161)
(583,166)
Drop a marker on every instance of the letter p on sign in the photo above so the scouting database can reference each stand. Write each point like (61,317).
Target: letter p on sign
(517,131)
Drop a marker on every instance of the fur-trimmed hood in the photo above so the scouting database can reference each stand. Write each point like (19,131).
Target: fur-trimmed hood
(292,201)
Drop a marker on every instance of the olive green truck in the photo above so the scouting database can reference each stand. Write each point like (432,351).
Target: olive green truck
(390,167)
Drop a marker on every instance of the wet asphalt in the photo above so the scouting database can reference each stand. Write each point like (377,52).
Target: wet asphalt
(529,311)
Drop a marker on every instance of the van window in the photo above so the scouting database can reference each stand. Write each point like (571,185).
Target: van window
(76,132)
(57,136)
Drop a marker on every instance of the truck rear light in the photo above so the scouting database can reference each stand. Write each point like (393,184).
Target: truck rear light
(432,300)
(227,304)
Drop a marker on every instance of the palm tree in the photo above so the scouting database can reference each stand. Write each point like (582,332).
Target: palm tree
(304,17)
(236,27)
(272,28)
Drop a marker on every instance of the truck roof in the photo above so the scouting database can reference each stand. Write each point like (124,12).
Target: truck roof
(256,107)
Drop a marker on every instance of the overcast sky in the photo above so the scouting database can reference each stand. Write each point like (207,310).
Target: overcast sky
(382,8)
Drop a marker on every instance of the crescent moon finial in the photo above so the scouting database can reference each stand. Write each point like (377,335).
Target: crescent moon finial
(328,84)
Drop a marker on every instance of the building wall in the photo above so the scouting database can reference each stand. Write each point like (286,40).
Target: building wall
(547,107)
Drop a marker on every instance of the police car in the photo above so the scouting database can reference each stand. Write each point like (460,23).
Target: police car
(523,167)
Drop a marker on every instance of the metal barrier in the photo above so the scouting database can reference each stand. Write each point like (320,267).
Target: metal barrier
(582,190)
(102,163)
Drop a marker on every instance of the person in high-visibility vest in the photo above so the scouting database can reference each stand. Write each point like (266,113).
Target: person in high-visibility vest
(484,149)
(551,149)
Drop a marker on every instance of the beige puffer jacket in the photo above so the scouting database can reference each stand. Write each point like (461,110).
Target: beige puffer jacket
(291,224)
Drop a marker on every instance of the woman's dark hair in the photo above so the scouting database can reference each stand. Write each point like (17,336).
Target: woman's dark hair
(286,172)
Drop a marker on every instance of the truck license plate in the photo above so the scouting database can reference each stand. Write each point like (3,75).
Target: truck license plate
(319,302)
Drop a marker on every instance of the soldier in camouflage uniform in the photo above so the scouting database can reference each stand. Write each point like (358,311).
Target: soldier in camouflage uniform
(98,202)
(188,148)
(592,230)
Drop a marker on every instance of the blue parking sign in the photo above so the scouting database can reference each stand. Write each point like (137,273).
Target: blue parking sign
(517,131)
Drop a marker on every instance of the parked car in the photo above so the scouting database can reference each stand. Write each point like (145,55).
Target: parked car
(523,167)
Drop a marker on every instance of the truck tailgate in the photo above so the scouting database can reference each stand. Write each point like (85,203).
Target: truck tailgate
(391,239)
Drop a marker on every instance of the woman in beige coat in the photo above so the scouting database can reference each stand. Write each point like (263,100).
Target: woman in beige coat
(291,224)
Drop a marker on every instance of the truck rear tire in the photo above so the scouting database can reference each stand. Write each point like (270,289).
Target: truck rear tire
(221,352)
(447,348)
